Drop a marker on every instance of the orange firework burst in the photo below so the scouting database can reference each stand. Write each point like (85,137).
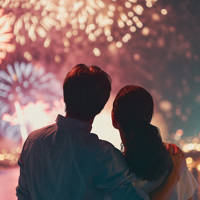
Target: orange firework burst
(5,35)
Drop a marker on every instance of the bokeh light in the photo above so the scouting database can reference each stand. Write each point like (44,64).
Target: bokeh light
(148,42)
(5,35)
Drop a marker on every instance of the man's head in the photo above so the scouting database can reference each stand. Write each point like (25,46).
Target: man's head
(86,91)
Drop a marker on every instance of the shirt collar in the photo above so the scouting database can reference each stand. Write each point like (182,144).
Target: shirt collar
(68,123)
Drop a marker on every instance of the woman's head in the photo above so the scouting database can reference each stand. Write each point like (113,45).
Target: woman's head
(132,105)
(144,150)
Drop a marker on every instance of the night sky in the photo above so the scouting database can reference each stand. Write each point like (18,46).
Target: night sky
(159,49)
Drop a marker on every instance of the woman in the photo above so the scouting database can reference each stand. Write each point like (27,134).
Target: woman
(132,113)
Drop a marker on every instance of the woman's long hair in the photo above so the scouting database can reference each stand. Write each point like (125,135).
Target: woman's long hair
(144,151)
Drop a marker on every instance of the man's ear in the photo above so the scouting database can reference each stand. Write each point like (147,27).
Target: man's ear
(114,123)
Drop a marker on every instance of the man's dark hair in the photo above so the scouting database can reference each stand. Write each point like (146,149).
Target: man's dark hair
(86,90)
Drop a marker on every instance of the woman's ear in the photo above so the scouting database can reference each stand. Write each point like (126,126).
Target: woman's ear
(114,123)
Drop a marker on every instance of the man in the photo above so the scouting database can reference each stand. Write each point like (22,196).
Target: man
(66,161)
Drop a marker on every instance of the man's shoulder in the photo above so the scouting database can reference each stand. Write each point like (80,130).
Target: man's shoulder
(42,133)
(35,138)
(107,156)
(99,142)
(104,147)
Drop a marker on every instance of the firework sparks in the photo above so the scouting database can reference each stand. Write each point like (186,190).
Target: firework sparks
(24,83)
(96,19)
(35,115)
(5,35)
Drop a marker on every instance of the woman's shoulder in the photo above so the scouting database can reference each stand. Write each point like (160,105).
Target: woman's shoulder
(187,184)
(184,189)
(148,186)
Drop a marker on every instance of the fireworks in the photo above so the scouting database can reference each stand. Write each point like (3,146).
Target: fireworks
(57,27)
(33,116)
(11,131)
(5,35)
(110,20)
(24,83)
(135,41)
(20,85)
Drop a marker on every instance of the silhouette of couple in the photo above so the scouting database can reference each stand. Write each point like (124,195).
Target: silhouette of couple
(65,161)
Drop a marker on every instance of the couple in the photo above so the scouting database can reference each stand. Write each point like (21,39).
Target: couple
(64,161)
